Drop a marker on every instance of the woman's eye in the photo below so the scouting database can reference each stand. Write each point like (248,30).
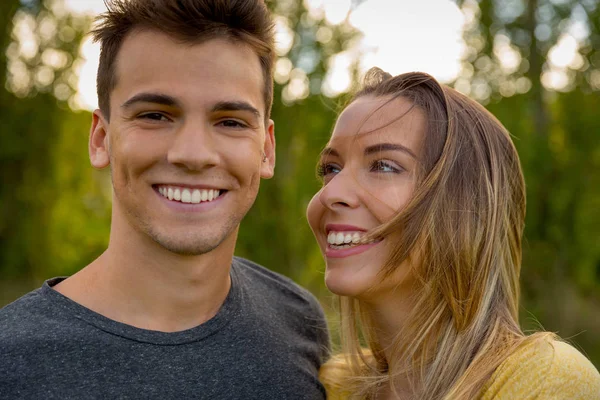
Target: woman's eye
(154,116)
(326,169)
(384,166)
(232,123)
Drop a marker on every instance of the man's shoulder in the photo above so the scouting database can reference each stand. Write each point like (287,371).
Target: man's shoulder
(36,316)
(21,310)
(286,304)
(258,275)
(26,325)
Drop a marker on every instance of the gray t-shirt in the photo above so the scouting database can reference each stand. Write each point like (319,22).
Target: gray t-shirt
(267,341)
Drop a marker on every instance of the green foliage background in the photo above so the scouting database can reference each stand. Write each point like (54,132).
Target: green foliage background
(55,209)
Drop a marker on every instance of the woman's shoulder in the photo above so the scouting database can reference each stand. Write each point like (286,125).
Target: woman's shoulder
(544,368)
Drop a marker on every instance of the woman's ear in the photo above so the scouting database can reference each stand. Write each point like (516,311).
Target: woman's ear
(98,145)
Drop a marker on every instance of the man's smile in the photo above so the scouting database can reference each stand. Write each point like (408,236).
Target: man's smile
(188,195)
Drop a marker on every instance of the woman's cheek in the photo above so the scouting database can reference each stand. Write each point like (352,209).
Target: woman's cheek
(385,201)
(314,212)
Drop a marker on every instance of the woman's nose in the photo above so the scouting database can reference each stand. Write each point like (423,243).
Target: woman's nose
(340,192)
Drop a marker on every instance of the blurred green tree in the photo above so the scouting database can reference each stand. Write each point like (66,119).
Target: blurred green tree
(536,65)
(54,215)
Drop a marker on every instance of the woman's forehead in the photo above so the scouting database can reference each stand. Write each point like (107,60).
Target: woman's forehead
(375,118)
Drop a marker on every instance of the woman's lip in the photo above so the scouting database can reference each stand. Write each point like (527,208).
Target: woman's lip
(343,228)
(348,251)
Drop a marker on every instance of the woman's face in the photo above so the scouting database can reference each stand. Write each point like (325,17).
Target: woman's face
(369,174)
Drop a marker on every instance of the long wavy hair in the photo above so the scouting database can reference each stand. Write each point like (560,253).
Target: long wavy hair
(461,233)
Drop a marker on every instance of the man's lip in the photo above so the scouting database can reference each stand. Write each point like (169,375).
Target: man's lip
(343,228)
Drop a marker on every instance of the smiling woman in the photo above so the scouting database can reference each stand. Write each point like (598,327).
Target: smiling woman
(381,159)
(420,219)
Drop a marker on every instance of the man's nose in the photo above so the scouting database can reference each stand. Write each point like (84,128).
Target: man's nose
(341,191)
(193,147)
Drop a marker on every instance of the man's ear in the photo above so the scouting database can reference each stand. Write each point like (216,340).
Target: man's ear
(98,145)
(267,168)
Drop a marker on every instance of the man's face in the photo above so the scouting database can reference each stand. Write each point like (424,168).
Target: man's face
(186,140)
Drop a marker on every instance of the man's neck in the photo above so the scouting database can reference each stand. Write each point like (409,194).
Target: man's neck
(139,283)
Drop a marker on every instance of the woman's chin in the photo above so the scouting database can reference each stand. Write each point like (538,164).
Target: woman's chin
(342,284)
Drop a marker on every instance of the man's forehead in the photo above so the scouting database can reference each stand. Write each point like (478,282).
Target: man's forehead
(218,69)
(151,45)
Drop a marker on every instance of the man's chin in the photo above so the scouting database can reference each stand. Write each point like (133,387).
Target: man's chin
(187,247)
(192,241)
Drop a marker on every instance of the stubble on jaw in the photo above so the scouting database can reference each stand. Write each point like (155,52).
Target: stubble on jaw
(190,245)
(193,243)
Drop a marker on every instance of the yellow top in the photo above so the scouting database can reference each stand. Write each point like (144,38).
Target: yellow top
(544,370)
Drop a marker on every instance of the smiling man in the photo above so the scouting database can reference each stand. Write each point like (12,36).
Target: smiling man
(167,311)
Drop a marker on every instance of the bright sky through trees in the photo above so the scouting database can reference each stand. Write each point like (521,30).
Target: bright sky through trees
(399,36)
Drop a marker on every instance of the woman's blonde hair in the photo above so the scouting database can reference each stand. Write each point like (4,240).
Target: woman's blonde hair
(464,226)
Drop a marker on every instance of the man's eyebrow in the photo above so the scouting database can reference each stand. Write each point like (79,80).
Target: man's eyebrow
(155,98)
(377,148)
(235,106)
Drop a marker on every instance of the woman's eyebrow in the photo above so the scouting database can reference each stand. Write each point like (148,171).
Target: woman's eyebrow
(329,151)
(377,148)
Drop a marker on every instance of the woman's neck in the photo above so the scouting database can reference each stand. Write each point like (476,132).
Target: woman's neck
(388,314)
(388,317)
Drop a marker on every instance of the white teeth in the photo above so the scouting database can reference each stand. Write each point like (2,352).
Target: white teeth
(186,195)
(196,196)
(344,238)
(331,238)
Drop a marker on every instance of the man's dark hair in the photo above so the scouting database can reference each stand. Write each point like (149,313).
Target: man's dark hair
(189,21)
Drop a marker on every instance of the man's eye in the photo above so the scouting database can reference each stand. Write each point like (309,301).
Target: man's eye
(232,123)
(154,116)
(384,166)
